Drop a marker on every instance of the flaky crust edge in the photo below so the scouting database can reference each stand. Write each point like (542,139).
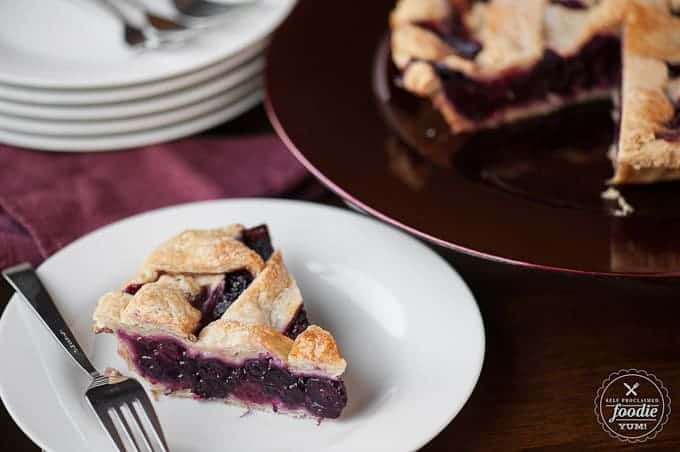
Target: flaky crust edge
(644,156)
(234,337)
(313,352)
(415,50)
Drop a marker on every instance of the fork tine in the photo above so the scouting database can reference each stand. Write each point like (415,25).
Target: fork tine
(151,416)
(127,429)
(133,411)
(107,422)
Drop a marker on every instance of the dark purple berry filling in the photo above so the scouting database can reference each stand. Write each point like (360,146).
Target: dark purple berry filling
(298,324)
(213,303)
(673,69)
(571,4)
(597,65)
(671,135)
(234,285)
(453,33)
(258,240)
(167,362)
(325,396)
(132,288)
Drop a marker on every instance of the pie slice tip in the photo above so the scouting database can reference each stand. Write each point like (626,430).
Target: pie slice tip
(214,314)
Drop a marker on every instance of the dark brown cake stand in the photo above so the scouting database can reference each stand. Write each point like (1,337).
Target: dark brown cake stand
(528,194)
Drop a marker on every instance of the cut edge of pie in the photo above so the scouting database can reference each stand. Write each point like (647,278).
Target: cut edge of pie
(214,314)
(488,63)
(648,148)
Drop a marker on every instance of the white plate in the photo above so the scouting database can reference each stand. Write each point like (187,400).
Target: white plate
(405,321)
(124,125)
(14,97)
(127,140)
(182,98)
(76,44)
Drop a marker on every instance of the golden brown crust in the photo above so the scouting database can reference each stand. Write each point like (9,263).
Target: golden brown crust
(421,79)
(410,11)
(238,341)
(203,251)
(272,299)
(315,350)
(420,44)
(253,325)
(165,305)
(652,38)
(628,174)
(107,314)
(654,31)
(514,38)
(511,38)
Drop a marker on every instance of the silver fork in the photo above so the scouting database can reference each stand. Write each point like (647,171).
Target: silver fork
(152,32)
(121,404)
(206,9)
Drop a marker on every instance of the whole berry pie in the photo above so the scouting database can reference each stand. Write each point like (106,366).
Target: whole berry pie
(214,314)
(488,63)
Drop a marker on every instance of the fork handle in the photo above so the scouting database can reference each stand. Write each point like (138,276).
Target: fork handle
(113,8)
(27,284)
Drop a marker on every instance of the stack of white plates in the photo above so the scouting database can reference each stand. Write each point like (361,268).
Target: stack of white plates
(69,82)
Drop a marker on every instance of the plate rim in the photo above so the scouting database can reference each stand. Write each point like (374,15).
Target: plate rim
(37,83)
(146,137)
(165,117)
(165,102)
(104,97)
(476,312)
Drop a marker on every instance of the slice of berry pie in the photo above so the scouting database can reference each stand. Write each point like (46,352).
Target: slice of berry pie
(214,314)
(487,63)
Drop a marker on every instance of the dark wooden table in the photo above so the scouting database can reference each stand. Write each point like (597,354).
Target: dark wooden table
(551,341)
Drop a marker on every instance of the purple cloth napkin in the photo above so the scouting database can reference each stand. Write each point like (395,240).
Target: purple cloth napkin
(49,199)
